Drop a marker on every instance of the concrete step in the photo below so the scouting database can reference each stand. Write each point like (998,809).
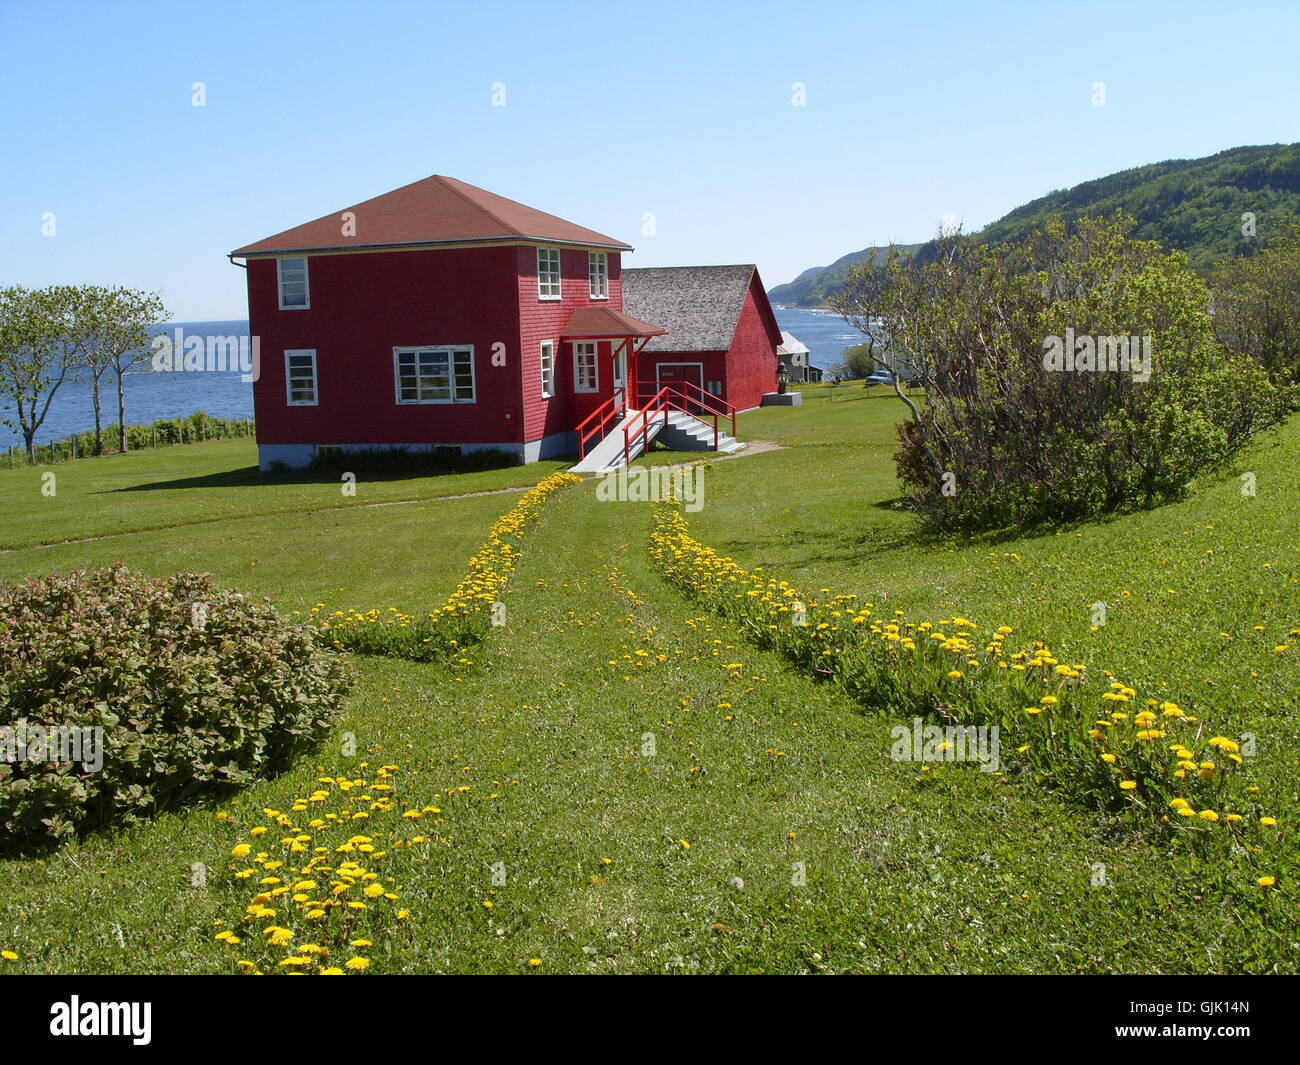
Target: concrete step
(685,432)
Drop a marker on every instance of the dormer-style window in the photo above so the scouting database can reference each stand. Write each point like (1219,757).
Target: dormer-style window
(598,275)
(294,292)
(548,273)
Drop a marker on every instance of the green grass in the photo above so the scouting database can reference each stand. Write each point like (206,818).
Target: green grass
(950,870)
(192,483)
(1184,586)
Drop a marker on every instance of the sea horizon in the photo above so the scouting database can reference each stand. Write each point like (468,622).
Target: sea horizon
(157,395)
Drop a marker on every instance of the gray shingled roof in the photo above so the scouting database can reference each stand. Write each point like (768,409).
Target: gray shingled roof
(698,305)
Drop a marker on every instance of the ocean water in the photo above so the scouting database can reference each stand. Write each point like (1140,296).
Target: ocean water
(152,396)
(824,333)
(149,396)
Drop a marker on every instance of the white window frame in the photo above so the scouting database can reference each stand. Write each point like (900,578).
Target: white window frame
(588,348)
(450,350)
(598,275)
(306,283)
(702,382)
(288,378)
(554,280)
(547,356)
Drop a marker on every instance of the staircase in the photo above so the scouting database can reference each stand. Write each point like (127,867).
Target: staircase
(685,432)
(664,417)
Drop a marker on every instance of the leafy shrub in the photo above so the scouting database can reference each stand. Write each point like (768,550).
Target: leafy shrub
(1257,306)
(193,428)
(196,689)
(1008,437)
(396,459)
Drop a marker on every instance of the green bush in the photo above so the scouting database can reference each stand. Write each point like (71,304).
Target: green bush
(1012,433)
(193,428)
(197,690)
(401,459)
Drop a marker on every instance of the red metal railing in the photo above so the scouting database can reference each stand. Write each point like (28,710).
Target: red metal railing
(689,399)
(669,398)
(610,410)
(656,406)
(694,395)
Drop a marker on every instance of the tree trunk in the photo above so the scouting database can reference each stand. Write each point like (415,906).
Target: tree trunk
(121,416)
(99,429)
(29,441)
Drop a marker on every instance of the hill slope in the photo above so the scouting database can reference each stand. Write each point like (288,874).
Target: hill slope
(811,288)
(1192,204)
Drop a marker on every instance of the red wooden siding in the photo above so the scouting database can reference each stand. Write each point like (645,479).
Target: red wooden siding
(751,359)
(541,320)
(362,306)
(714,366)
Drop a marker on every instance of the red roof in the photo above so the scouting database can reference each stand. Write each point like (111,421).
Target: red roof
(436,210)
(604,323)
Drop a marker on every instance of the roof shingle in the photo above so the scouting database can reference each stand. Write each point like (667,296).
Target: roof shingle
(435,210)
(699,306)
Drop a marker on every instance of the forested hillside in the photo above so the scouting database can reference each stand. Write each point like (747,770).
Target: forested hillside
(1196,205)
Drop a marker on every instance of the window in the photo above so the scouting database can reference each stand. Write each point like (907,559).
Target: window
(294,295)
(715,388)
(585,377)
(548,369)
(598,275)
(434,375)
(300,378)
(548,273)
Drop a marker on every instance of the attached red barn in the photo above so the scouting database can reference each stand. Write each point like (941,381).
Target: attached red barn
(443,315)
(721,332)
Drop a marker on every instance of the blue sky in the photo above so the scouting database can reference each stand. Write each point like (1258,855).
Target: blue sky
(683,110)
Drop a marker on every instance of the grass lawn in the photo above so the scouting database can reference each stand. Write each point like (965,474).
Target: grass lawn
(643,790)
(187,484)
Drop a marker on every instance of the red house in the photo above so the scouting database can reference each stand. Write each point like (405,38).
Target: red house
(441,315)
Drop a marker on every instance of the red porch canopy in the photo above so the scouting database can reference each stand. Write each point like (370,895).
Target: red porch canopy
(605,323)
(622,330)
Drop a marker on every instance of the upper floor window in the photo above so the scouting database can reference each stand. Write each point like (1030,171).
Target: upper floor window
(584,366)
(294,293)
(300,377)
(548,273)
(548,369)
(598,275)
(434,375)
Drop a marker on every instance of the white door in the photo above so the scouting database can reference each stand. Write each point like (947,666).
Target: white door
(620,374)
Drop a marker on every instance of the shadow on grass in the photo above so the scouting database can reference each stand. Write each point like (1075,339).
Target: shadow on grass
(250,476)
(208,797)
